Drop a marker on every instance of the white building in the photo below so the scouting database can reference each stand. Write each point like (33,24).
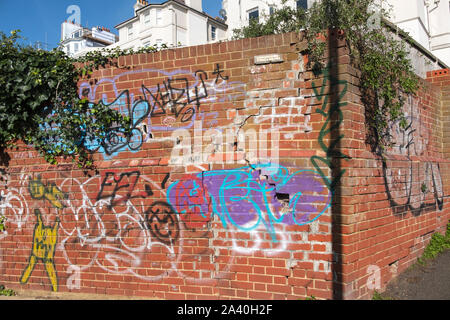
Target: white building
(239,12)
(77,40)
(427,21)
(174,23)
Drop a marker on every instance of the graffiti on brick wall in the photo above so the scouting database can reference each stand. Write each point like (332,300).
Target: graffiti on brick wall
(44,247)
(247,197)
(118,138)
(50,193)
(170,105)
(14,206)
(134,226)
(44,237)
(194,227)
(117,226)
(412,184)
(331,111)
(289,114)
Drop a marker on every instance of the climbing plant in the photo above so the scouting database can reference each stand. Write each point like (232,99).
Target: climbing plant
(41,106)
(2,223)
(387,76)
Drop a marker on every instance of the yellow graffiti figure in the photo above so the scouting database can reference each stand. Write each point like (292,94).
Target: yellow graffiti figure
(44,245)
(51,193)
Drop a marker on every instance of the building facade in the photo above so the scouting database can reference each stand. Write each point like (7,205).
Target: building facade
(239,12)
(427,21)
(76,40)
(174,23)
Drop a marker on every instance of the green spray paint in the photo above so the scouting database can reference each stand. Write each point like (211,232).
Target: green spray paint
(333,110)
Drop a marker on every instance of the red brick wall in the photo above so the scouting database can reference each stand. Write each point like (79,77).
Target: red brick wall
(228,186)
(393,204)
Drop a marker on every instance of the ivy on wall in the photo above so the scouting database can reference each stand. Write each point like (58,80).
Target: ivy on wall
(40,104)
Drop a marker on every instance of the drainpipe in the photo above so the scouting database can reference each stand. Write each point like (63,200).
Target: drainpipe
(240,12)
(175,35)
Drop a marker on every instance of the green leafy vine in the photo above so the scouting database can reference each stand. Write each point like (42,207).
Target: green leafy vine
(40,104)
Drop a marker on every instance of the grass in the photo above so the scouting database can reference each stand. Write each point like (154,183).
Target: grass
(437,245)
(380,296)
(6,292)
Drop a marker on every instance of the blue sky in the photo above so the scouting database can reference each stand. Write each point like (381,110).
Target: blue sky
(40,20)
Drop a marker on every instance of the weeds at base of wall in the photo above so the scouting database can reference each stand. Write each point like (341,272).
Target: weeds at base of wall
(6,292)
(437,245)
(380,296)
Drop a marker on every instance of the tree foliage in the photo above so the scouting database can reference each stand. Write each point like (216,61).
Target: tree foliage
(387,75)
(40,104)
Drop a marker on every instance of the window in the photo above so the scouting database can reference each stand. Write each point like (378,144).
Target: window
(130,30)
(253,15)
(158,17)
(147,17)
(271,10)
(302,4)
(213,33)
(75,47)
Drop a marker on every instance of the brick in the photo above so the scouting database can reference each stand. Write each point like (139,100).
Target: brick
(221,260)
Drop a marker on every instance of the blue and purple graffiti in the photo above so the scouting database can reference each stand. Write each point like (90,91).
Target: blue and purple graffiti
(176,101)
(249,196)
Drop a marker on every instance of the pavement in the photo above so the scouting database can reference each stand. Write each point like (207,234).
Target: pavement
(429,282)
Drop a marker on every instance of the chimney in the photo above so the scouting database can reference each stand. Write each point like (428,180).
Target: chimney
(139,4)
(195,4)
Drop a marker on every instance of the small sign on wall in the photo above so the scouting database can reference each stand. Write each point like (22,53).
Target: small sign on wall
(268,58)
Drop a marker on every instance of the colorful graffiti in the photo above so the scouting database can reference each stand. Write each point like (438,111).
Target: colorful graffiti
(51,193)
(175,102)
(44,247)
(131,218)
(247,197)
(119,138)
